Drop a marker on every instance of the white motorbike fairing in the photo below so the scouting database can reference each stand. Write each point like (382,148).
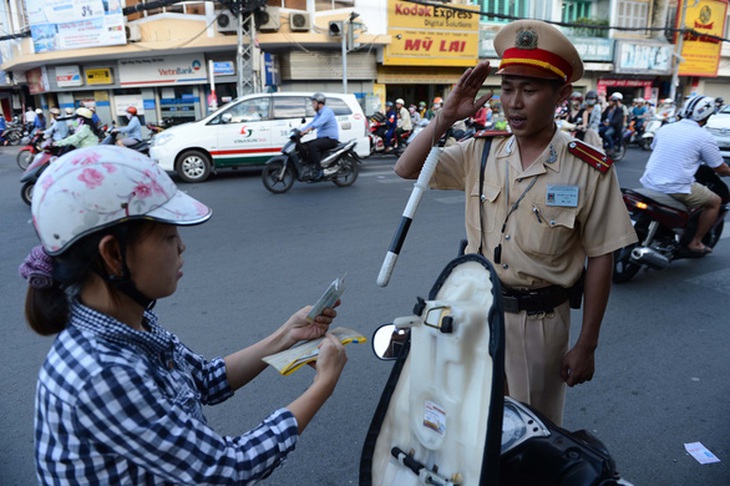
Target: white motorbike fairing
(439,420)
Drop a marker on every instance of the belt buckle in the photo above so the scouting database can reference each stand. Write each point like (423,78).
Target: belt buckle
(537,315)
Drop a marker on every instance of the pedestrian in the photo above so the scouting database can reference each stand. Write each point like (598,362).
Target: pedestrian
(678,150)
(3,127)
(119,399)
(548,204)
(328,132)
(133,129)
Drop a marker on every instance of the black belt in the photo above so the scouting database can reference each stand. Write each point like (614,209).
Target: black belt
(535,301)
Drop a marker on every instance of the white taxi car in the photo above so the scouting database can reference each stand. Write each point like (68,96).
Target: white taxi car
(719,126)
(249,131)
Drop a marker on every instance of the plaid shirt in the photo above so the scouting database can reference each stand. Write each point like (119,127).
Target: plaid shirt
(119,406)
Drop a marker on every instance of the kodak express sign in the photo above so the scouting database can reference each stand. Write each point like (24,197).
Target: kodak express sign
(431,35)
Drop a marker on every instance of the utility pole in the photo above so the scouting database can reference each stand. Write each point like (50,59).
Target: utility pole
(677,58)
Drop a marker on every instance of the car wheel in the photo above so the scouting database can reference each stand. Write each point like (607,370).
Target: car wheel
(24,158)
(193,166)
(26,192)
(349,170)
(277,178)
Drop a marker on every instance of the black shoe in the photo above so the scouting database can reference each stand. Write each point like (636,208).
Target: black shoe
(318,174)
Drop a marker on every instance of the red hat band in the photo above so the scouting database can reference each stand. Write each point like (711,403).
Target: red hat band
(538,58)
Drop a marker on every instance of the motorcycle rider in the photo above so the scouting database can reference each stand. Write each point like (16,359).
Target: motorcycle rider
(719,103)
(85,134)
(404,123)
(39,124)
(612,122)
(678,150)
(328,132)
(576,114)
(59,128)
(133,129)
(592,119)
(391,123)
(639,113)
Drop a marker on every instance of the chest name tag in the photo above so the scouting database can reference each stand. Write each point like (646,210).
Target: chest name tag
(563,196)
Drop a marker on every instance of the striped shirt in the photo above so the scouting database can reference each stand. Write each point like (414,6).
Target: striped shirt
(119,406)
(678,150)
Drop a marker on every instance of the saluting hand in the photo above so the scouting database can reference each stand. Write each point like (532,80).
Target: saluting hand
(461,101)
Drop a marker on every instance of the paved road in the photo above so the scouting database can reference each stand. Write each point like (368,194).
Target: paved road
(662,362)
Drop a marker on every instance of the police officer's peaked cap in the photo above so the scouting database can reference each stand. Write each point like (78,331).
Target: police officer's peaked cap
(536,49)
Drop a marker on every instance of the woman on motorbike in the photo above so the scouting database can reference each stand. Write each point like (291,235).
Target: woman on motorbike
(592,119)
(576,114)
(85,134)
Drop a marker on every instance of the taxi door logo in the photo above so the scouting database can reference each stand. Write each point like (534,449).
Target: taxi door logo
(245,131)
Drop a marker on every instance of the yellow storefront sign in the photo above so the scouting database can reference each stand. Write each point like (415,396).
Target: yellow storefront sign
(700,53)
(431,35)
(98,76)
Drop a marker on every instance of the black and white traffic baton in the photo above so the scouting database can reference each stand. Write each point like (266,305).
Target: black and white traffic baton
(386,270)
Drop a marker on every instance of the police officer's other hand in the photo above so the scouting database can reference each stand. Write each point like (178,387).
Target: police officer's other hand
(462,102)
(578,365)
(330,362)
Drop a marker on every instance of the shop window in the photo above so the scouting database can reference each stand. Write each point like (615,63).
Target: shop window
(192,8)
(633,14)
(515,8)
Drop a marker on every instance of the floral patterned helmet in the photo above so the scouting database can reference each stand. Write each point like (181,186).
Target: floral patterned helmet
(97,187)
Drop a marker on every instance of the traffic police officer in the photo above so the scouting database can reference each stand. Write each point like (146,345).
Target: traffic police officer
(548,214)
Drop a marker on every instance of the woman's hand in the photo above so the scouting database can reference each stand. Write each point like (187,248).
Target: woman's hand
(298,328)
(332,359)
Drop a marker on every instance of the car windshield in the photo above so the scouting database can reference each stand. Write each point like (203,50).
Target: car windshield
(725,110)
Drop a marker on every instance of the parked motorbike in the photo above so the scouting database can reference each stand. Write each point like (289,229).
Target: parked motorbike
(14,132)
(443,418)
(665,226)
(341,165)
(31,148)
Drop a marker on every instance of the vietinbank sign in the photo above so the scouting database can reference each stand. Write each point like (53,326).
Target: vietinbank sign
(432,35)
(162,71)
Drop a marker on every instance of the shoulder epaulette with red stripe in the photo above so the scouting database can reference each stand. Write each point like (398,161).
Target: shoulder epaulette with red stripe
(492,133)
(593,157)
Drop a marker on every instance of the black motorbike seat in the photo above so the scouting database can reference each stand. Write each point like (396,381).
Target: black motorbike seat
(661,198)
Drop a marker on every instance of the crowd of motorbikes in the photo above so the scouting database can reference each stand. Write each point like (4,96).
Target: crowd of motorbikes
(39,152)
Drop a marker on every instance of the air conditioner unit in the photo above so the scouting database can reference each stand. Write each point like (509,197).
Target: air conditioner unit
(300,21)
(226,22)
(133,33)
(268,20)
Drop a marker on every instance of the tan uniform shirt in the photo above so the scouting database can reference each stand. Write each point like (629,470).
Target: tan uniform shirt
(572,211)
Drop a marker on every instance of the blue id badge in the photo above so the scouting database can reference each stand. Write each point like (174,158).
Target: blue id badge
(562,196)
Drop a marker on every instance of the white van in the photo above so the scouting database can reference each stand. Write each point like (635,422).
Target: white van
(249,131)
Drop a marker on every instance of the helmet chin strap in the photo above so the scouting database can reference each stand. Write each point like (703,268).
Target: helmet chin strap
(124,283)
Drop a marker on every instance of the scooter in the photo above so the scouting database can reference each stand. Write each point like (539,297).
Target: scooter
(340,165)
(443,419)
(31,148)
(14,132)
(143,146)
(40,162)
(665,226)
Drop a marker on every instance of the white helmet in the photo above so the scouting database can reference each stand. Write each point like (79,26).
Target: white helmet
(39,111)
(698,108)
(400,101)
(97,187)
(616,96)
(640,101)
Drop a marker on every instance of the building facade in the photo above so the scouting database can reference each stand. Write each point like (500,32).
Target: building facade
(182,60)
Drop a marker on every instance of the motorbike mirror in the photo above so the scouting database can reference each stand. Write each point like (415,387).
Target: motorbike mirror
(389,341)
(226,118)
(304,120)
